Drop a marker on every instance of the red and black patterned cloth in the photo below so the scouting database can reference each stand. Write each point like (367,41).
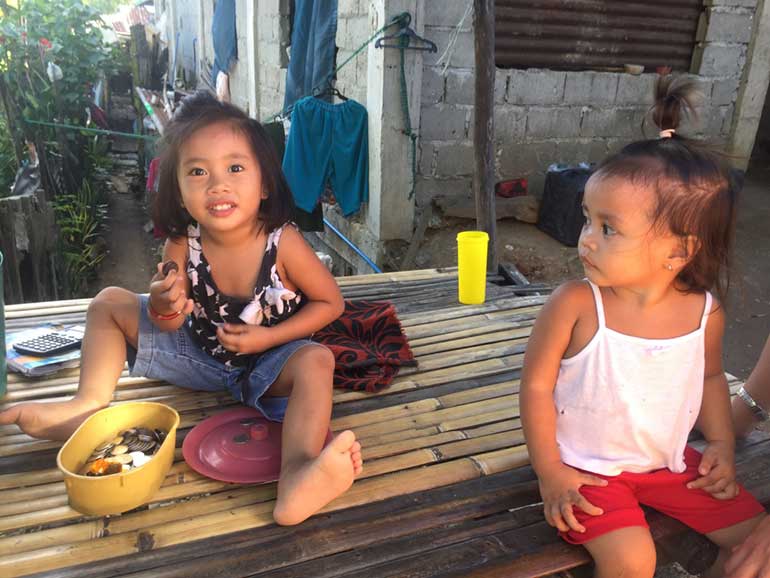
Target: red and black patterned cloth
(368,345)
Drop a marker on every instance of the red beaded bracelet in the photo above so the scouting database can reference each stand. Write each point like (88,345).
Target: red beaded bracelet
(155,315)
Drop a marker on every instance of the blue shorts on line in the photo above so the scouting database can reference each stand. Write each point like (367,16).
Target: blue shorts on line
(173,356)
(328,142)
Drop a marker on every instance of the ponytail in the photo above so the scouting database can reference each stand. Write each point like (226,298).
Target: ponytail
(695,193)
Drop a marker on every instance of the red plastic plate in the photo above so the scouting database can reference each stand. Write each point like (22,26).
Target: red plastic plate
(238,446)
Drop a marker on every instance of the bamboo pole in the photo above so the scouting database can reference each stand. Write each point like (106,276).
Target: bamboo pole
(519,335)
(478,408)
(462,333)
(27,479)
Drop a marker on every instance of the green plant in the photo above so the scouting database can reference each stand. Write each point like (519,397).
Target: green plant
(37,40)
(96,155)
(81,220)
(50,53)
(7,160)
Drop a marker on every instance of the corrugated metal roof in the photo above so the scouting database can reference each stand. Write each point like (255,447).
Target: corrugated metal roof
(595,34)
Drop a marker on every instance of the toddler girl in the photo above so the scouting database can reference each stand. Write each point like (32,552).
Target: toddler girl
(620,367)
(232,311)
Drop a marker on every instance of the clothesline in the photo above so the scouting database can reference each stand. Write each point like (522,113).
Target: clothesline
(90,130)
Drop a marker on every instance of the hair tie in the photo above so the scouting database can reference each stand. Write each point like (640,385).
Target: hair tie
(668,133)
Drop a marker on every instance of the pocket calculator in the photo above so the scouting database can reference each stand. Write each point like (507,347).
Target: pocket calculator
(48,344)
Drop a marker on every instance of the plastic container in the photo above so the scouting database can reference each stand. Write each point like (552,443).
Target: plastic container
(472,266)
(117,493)
(3,368)
(561,208)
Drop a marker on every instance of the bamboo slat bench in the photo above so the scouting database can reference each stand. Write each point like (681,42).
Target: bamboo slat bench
(446,489)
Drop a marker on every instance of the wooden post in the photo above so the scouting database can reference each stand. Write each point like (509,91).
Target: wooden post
(484,128)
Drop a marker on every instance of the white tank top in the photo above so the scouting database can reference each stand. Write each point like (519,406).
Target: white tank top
(627,404)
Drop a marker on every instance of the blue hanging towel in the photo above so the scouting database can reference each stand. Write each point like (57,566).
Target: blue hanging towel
(312,48)
(225,38)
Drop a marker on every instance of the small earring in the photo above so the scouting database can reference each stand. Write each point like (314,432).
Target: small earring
(669,266)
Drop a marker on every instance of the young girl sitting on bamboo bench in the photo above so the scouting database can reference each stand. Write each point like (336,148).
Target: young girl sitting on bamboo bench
(253,290)
(620,367)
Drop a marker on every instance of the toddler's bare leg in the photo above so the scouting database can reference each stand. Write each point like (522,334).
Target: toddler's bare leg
(113,318)
(311,477)
(627,552)
(726,539)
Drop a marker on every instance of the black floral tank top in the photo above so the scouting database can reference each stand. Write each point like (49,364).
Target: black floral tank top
(271,304)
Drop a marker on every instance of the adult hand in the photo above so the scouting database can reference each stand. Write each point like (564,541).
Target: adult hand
(717,470)
(752,558)
(242,338)
(559,489)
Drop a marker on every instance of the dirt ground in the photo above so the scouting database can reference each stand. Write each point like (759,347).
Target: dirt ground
(748,312)
(132,253)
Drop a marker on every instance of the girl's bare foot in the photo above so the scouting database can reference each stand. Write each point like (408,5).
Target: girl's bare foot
(51,421)
(301,493)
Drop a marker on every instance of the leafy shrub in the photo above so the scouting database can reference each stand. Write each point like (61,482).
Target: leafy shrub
(81,219)
(7,160)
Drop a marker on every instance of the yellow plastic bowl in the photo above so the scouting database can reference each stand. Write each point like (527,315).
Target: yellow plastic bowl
(117,493)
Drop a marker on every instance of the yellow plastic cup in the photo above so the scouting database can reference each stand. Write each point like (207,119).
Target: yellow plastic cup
(472,266)
(117,493)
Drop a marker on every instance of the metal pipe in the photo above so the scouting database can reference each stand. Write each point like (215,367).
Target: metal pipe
(350,244)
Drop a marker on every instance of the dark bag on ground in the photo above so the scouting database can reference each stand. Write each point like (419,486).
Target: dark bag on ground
(561,213)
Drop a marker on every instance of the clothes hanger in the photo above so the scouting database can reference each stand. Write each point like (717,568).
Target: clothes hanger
(405,37)
(410,36)
(329,90)
(319,92)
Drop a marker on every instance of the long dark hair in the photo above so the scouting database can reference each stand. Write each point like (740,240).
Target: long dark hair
(195,112)
(695,192)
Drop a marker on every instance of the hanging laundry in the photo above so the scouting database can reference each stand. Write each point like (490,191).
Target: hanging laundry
(328,142)
(305,221)
(225,40)
(223,87)
(314,31)
(152,176)
(98,116)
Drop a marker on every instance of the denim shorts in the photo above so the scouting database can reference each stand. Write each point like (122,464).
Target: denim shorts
(175,357)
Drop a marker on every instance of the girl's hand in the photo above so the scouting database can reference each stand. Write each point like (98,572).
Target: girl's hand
(168,293)
(242,338)
(717,470)
(559,490)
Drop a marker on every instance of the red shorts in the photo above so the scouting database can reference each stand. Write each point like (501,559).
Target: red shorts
(664,491)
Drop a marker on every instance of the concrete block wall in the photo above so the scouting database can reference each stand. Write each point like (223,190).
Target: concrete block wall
(239,76)
(187,14)
(353,30)
(206,45)
(272,59)
(546,116)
